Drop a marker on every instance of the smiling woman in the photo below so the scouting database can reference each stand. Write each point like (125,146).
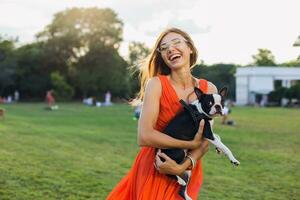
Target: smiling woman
(165,79)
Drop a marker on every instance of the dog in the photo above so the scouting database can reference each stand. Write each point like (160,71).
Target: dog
(185,125)
(2,113)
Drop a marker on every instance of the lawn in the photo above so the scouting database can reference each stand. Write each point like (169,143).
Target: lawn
(80,152)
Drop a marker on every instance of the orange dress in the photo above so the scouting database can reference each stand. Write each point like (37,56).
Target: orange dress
(143,181)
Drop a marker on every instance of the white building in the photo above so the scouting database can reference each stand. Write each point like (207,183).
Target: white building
(253,81)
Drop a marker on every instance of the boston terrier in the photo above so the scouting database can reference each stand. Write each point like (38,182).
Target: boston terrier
(185,125)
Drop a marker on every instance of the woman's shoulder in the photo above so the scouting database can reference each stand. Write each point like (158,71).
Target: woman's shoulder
(211,88)
(154,81)
(154,85)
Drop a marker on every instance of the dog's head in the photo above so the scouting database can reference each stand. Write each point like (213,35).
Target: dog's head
(211,104)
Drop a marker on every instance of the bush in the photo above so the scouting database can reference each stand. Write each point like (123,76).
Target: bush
(63,91)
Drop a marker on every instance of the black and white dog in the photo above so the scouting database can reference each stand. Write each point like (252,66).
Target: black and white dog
(185,125)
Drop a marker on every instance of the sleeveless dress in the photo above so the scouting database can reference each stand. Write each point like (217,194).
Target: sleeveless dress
(143,181)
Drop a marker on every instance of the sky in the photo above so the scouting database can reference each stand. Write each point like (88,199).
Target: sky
(227,31)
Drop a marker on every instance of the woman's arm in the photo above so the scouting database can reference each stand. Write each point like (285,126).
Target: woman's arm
(147,135)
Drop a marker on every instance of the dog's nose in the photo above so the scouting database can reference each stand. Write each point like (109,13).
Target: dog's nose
(218,109)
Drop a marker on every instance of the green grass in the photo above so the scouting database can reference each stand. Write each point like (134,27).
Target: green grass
(80,152)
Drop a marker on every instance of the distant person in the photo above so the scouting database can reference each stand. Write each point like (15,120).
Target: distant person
(225,115)
(88,101)
(51,100)
(9,99)
(137,111)
(16,96)
(264,101)
(107,101)
(2,100)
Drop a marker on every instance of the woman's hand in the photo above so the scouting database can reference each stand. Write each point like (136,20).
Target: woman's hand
(196,142)
(199,153)
(169,166)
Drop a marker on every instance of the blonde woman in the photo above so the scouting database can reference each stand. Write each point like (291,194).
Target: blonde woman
(165,79)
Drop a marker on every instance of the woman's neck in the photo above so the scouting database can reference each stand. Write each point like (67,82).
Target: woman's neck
(182,79)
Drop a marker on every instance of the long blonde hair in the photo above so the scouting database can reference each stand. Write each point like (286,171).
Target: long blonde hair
(154,64)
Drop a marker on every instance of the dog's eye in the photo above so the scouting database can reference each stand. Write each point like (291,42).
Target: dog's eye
(210,103)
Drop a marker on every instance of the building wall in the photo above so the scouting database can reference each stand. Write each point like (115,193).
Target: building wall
(241,90)
(260,80)
(261,84)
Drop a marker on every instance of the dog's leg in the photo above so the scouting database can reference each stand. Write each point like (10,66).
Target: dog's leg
(183,189)
(219,151)
(220,146)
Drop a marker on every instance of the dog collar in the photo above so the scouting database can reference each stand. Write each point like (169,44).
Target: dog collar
(195,114)
(199,107)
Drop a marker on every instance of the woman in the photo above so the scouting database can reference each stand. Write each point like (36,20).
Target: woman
(165,79)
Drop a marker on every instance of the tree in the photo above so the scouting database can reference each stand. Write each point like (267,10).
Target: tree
(264,57)
(292,63)
(75,31)
(8,65)
(137,53)
(297,44)
(61,88)
(219,74)
(82,44)
(33,76)
(100,70)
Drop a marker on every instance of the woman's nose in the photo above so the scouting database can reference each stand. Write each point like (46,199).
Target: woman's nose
(170,48)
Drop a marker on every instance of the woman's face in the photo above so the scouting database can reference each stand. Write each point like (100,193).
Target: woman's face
(174,51)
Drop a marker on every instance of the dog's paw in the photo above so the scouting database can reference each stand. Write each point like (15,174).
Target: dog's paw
(181,181)
(235,162)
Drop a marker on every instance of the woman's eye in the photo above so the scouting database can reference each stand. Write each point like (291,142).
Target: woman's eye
(163,48)
(177,42)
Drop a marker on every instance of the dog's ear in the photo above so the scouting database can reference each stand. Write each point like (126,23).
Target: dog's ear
(223,92)
(198,92)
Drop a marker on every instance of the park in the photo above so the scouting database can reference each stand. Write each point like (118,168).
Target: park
(80,152)
(69,129)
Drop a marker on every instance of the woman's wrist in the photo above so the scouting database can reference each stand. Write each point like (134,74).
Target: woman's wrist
(193,161)
(187,163)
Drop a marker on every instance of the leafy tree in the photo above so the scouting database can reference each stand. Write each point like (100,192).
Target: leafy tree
(292,63)
(61,88)
(74,32)
(100,70)
(33,78)
(295,91)
(290,93)
(82,44)
(278,94)
(297,42)
(219,74)
(264,57)
(8,64)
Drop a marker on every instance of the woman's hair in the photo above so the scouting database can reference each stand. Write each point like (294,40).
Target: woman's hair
(154,64)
